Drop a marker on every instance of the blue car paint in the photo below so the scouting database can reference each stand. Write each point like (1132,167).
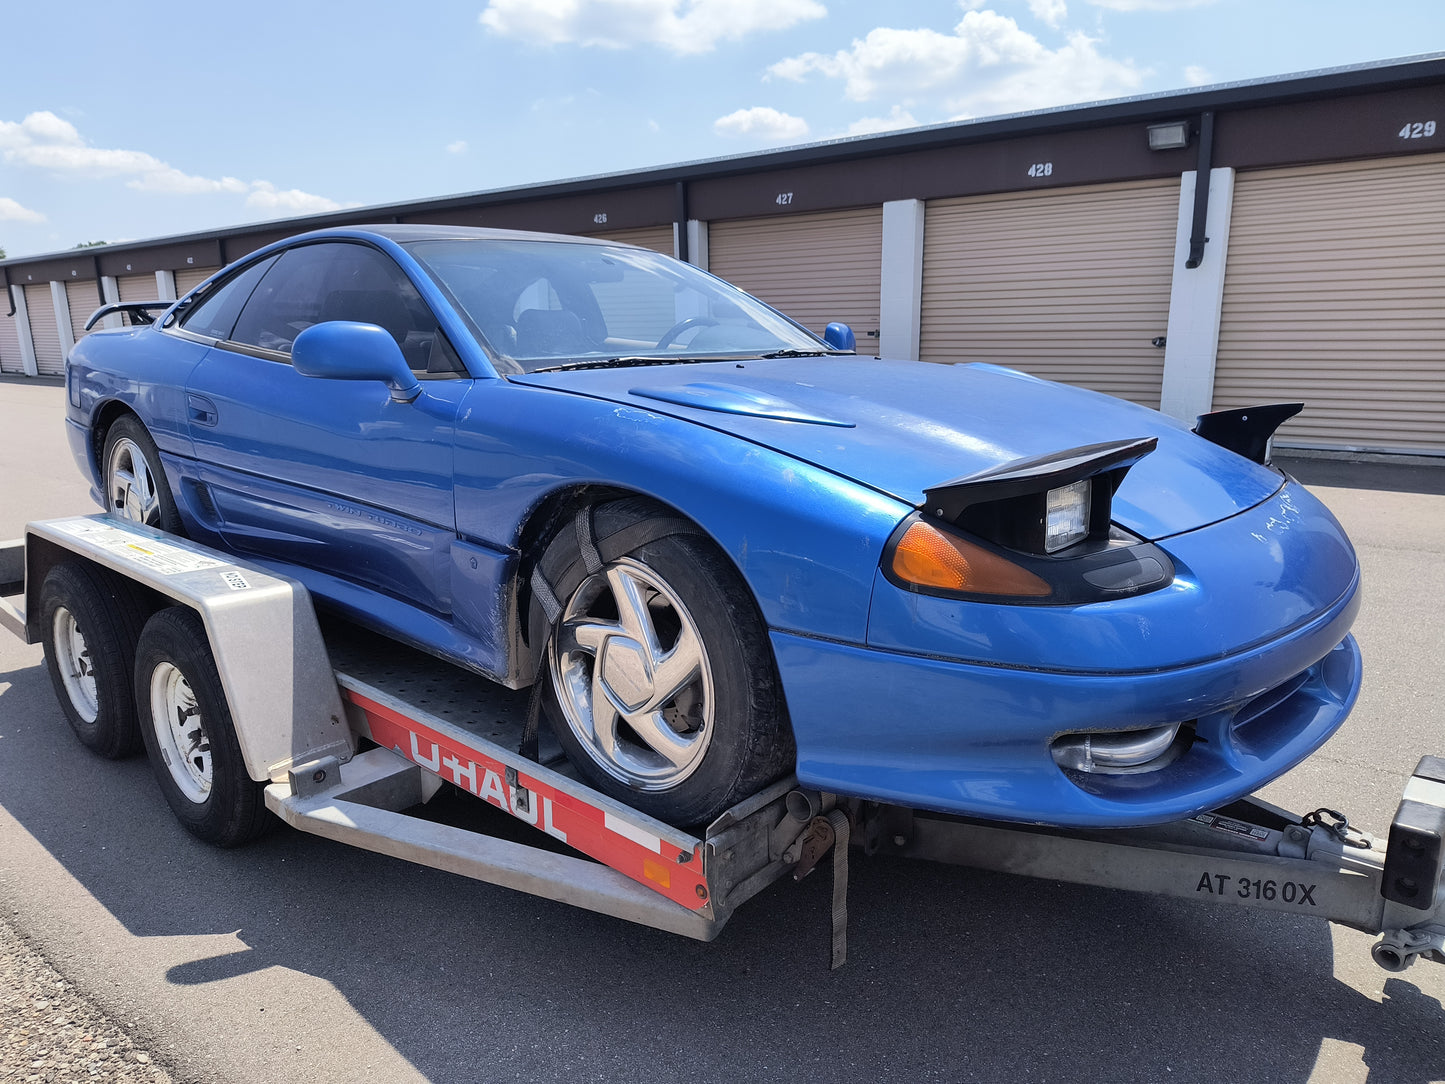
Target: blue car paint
(1238,584)
(918,424)
(881,706)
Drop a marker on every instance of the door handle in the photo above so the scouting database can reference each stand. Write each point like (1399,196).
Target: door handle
(200,410)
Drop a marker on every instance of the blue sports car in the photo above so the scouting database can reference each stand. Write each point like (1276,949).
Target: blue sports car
(730,549)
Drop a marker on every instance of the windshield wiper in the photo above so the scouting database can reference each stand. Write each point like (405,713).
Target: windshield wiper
(621,363)
(793,353)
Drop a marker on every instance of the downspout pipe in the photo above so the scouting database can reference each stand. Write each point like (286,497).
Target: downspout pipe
(1197,236)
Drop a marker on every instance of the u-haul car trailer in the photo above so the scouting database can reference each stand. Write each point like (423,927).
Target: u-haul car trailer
(348,736)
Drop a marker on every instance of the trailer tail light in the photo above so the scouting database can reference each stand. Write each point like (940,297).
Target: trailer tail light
(1413,858)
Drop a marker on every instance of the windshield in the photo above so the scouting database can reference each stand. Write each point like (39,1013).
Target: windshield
(559,304)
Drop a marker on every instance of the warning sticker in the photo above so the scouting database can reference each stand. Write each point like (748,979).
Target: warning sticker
(161,557)
(1233,827)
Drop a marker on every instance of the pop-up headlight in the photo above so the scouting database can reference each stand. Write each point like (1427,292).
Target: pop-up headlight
(1066,516)
(1034,531)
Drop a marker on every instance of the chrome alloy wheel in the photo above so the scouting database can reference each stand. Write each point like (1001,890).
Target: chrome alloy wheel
(633,678)
(72,654)
(180,732)
(130,483)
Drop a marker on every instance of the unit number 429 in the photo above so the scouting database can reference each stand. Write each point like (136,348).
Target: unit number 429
(1418,130)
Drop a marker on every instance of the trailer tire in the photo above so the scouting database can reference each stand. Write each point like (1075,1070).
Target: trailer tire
(91,619)
(189,736)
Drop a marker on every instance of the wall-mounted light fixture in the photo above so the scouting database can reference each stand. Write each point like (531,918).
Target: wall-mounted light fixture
(1169,137)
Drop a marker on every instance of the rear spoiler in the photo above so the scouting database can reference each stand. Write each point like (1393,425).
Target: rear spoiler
(140,312)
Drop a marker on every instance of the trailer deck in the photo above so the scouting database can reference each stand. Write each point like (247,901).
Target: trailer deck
(351,733)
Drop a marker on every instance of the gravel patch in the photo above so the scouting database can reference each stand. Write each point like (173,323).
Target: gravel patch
(50,1033)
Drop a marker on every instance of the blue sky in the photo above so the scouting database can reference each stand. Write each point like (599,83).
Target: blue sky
(119,124)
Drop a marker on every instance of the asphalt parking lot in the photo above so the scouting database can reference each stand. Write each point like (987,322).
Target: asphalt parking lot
(297,959)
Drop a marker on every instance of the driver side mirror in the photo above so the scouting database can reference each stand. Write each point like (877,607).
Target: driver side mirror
(343,350)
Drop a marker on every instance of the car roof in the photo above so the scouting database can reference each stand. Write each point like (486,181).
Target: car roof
(404,232)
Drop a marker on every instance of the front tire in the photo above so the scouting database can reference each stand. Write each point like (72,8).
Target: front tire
(189,736)
(135,482)
(662,687)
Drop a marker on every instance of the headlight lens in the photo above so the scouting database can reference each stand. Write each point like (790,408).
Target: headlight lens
(928,557)
(1066,517)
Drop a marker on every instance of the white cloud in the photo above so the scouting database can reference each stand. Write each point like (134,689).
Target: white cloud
(898,117)
(1197,76)
(684,26)
(457,146)
(762,121)
(12,211)
(1052,12)
(986,65)
(44,141)
(265,196)
(1149,5)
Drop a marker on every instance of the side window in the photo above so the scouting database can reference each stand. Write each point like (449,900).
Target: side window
(216,313)
(313,284)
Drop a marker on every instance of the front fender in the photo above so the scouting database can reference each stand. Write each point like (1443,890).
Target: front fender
(807,541)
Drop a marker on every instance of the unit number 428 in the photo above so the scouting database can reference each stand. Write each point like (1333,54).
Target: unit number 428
(1418,130)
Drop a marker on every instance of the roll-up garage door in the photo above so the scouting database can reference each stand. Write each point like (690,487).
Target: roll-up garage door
(49,354)
(83,300)
(1067,284)
(11,360)
(657,238)
(188,279)
(817,268)
(1334,295)
(137,287)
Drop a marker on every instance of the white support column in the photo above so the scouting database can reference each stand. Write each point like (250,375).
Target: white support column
(1196,299)
(697,243)
(900,301)
(61,301)
(165,286)
(110,290)
(22,328)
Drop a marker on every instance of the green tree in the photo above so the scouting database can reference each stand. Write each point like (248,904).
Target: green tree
(92,244)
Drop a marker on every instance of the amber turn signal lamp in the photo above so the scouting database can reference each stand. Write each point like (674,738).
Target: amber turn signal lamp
(928,557)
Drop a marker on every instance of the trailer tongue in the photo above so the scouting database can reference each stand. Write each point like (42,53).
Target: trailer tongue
(349,737)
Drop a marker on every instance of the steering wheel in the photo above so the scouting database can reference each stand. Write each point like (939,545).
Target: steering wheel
(681,326)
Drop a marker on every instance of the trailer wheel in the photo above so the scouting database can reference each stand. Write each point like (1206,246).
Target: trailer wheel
(91,619)
(186,724)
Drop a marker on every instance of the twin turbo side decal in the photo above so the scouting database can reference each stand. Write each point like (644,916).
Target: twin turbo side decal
(607,837)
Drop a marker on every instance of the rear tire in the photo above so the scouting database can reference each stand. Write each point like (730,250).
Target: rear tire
(662,688)
(135,486)
(189,736)
(91,619)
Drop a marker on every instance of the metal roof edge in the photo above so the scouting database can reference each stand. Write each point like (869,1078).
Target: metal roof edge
(1270,90)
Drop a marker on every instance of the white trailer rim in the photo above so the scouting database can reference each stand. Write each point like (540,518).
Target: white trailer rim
(76,669)
(181,732)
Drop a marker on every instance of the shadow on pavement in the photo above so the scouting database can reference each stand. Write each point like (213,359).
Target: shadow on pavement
(953,974)
(1411,477)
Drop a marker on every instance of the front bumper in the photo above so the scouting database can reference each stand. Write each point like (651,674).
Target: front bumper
(973,739)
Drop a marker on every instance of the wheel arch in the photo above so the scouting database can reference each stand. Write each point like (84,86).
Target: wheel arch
(556,512)
(102,418)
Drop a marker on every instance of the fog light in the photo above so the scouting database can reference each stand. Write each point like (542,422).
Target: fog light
(1066,517)
(1114,753)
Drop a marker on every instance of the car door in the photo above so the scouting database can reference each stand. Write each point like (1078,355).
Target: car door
(330,474)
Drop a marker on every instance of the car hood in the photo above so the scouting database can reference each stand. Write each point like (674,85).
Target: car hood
(902,427)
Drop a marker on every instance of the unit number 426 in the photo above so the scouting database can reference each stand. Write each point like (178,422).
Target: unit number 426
(1418,130)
